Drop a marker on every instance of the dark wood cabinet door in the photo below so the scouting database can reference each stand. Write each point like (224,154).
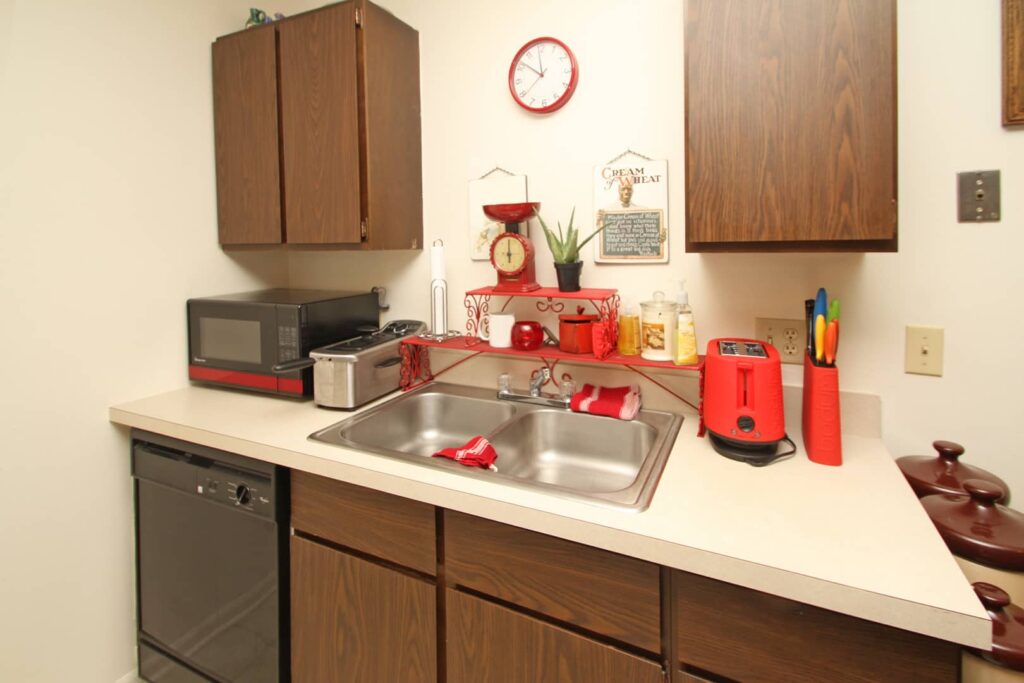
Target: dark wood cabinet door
(790,124)
(603,592)
(245,130)
(751,636)
(394,162)
(488,643)
(354,621)
(320,126)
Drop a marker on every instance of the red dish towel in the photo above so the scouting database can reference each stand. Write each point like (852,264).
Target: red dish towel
(620,402)
(478,452)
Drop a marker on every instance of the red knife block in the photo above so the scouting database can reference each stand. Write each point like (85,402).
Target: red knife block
(821,425)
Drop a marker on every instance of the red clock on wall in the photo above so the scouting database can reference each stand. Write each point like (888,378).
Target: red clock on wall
(543,75)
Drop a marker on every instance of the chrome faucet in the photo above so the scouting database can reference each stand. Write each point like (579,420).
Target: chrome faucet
(535,396)
(540,380)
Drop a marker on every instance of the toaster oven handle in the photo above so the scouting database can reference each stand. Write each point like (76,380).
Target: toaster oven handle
(292,365)
(387,363)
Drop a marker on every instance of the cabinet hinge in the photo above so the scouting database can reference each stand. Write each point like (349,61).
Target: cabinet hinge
(362,230)
(359,16)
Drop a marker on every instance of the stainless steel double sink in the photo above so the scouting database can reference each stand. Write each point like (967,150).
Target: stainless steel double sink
(600,460)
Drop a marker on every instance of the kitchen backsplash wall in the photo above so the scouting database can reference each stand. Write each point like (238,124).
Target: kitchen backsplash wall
(630,95)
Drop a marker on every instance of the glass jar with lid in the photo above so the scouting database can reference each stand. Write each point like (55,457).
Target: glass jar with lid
(658,327)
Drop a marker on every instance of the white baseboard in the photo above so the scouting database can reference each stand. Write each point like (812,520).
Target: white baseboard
(130,677)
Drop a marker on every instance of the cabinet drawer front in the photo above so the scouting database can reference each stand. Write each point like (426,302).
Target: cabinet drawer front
(353,620)
(379,524)
(603,592)
(487,642)
(752,636)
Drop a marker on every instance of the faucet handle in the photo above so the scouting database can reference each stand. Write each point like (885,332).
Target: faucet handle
(504,383)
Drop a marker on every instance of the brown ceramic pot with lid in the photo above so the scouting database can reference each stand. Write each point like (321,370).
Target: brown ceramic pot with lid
(986,538)
(944,473)
(1005,661)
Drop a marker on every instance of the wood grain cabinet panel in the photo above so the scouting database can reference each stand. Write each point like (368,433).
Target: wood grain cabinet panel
(320,126)
(790,125)
(751,636)
(245,128)
(600,591)
(488,643)
(392,528)
(355,621)
(318,131)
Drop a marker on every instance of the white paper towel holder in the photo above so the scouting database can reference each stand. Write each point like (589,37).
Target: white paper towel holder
(439,300)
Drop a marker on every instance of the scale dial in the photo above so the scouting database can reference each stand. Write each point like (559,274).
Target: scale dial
(510,253)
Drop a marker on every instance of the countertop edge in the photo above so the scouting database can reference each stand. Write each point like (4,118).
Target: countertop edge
(883,609)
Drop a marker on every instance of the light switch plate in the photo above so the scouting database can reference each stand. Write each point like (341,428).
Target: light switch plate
(789,337)
(978,194)
(924,350)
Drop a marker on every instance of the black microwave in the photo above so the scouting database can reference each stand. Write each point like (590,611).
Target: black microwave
(261,340)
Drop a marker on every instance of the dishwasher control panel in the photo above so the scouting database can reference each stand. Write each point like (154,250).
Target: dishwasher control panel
(236,488)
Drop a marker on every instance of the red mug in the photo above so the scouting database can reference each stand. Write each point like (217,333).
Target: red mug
(527,335)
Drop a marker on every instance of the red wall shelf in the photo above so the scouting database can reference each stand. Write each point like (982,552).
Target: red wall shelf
(416,357)
(477,346)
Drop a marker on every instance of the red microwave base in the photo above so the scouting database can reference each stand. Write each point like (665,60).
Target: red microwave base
(248,380)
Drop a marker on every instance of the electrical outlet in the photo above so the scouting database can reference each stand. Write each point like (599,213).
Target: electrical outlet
(924,350)
(789,337)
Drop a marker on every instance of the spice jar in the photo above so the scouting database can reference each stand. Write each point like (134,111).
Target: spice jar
(658,328)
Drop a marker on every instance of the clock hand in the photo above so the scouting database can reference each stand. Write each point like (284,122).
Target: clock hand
(530,68)
(532,84)
(540,62)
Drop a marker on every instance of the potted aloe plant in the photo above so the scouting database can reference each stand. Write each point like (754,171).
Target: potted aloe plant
(565,249)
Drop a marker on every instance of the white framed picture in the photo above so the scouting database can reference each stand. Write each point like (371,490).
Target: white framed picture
(631,202)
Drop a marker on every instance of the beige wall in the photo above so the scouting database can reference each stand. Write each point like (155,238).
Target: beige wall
(109,223)
(962,277)
(108,218)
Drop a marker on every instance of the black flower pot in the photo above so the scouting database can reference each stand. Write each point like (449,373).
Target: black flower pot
(569,276)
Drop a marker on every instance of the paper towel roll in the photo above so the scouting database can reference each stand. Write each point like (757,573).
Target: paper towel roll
(437,262)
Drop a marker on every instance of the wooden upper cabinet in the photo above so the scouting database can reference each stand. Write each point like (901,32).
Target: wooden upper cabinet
(337,131)
(320,126)
(245,122)
(791,125)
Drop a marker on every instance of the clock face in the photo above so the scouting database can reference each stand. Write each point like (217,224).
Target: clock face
(543,75)
(508,254)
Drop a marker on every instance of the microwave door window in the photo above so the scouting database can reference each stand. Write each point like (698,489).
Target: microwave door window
(231,340)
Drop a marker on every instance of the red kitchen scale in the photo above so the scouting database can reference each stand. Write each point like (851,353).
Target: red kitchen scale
(512,254)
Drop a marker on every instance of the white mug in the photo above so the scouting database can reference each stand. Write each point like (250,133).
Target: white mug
(499,330)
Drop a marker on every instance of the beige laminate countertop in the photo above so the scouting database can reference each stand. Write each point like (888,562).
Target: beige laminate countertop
(852,539)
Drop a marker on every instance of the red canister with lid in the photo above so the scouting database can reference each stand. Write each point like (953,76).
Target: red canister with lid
(1004,663)
(986,538)
(944,473)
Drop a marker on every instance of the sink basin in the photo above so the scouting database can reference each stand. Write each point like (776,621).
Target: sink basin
(583,457)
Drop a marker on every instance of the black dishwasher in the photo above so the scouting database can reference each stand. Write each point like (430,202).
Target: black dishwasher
(212,564)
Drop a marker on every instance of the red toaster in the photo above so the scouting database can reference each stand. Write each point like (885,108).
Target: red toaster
(743,408)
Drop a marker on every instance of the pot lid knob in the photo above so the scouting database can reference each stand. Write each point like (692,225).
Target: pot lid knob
(992,597)
(949,450)
(983,492)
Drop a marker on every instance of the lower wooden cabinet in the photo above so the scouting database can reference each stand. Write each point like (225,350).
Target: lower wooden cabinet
(751,636)
(355,621)
(488,643)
